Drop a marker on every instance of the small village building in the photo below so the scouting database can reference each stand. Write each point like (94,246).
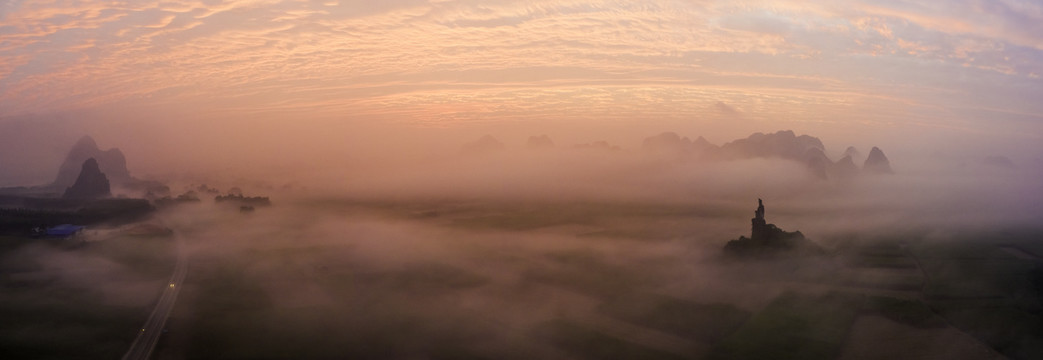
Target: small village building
(65,230)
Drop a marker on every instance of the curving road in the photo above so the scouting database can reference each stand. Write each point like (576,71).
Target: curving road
(147,338)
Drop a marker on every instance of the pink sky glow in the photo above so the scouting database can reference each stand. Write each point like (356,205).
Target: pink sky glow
(885,69)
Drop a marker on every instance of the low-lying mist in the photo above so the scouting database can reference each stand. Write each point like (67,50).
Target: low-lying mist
(922,193)
(440,278)
(480,250)
(522,254)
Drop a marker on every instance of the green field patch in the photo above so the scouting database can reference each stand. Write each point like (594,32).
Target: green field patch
(423,278)
(641,233)
(8,243)
(51,312)
(52,321)
(524,219)
(958,278)
(371,315)
(886,262)
(794,326)
(708,323)
(890,280)
(531,215)
(590,273)
(891,249)
(230,315)
(966,249)
(151,256)
(905,311)
(1013,331)
(587,343)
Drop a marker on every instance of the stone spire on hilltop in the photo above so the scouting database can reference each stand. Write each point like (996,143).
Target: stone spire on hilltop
(757,233)
(766,239)
(759,214)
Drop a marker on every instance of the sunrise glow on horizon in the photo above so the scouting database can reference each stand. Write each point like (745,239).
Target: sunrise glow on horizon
(966,65)
(521,179)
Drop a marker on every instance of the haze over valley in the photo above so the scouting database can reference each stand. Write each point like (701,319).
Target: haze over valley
(521,180)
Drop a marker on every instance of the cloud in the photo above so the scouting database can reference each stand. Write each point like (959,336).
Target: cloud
(725,109)
(439,61)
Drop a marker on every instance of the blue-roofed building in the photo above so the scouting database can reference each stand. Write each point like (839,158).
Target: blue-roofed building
(64,230)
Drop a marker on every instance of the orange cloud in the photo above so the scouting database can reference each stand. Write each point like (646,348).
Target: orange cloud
(458,61)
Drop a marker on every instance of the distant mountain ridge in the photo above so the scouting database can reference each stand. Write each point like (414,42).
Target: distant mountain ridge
(484,145)
(784,144)
(669,143)
(111,162)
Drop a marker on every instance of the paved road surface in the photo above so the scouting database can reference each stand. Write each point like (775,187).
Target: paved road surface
(142,347)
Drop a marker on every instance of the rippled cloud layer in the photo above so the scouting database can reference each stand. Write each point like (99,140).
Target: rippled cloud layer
(952,63)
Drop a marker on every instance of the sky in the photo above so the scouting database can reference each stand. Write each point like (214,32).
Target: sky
(275,88)
(889,70)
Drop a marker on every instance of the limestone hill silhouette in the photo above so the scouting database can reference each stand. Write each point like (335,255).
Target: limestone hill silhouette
(484,145)
(91,183)
(539,142)
(818,163)
(844,168)
(671,144)
(852,152)
(785,144)
(111,162)
(877,163)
